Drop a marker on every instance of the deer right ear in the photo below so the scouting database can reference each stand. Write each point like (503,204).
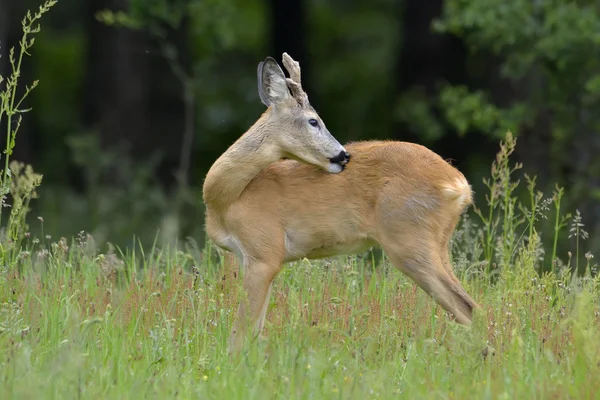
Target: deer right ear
(272,86)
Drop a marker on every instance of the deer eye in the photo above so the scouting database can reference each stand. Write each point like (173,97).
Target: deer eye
(313,122)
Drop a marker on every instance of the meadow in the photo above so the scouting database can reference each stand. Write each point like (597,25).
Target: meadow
(80,320)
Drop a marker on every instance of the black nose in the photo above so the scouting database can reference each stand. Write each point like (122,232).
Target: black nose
(341,158)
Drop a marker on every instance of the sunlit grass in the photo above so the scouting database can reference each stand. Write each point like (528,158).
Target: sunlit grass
(77,324)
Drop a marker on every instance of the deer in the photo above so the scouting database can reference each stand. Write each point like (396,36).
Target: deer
(288,190)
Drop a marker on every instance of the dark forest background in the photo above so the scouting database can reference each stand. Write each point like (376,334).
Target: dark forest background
(137,98)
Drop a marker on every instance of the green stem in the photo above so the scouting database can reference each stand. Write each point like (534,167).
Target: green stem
(577,251)
(533,208)
(556,228)
(10,111)
(11,108)
(488,247)
(506,229)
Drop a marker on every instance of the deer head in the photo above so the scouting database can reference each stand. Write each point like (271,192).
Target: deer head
(295,126)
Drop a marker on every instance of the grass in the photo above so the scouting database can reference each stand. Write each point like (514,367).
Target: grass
(77,322)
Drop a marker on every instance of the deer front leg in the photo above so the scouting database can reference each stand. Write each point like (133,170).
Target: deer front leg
(258,276)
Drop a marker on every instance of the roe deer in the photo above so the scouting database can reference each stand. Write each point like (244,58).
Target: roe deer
(326,199)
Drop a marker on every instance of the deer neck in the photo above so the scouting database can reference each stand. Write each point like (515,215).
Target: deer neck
(232,172)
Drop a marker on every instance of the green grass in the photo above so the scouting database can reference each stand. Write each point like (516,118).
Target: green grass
(76,324)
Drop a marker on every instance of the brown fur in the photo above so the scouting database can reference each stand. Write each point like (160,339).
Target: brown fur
(398,195)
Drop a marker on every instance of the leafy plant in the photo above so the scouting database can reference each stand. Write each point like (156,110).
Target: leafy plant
(17,180)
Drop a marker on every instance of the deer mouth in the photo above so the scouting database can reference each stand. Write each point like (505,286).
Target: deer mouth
(338,163)
(342,158)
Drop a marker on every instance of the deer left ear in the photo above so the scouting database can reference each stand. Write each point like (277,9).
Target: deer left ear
(272,84)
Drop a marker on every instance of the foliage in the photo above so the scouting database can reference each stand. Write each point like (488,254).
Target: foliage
(547,47)
(216,30)
(122,197)
(544,82)
(352,85)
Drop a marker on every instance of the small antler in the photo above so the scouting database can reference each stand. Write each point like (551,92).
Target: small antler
(293,68)
(294,82)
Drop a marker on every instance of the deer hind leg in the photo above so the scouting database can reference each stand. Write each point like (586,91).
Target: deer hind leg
(457,196)
(258,278)
(420,259)
(445,256)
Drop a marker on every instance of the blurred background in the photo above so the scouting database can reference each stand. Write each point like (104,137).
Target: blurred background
(137,98)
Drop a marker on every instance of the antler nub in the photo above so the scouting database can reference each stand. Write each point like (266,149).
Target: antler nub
(294,82)
(293,68)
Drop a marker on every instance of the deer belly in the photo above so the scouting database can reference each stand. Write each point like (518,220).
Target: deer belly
(299,245)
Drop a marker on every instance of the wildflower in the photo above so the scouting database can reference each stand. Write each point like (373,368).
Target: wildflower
(205,378)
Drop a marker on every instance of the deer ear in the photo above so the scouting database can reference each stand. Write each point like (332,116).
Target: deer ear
(272,86)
